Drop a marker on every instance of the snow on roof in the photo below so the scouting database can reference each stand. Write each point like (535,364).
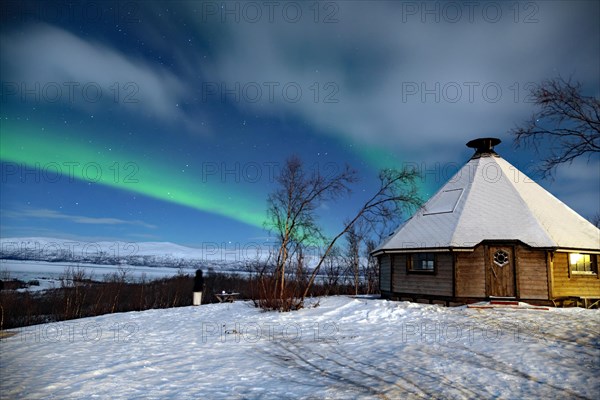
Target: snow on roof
(490,199)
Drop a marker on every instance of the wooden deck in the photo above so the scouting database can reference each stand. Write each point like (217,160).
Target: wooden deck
(576,301)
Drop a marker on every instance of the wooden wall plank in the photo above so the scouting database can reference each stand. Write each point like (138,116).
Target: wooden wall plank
(385,272)
(470,273)
(573,285)
(439,284)
(532,274)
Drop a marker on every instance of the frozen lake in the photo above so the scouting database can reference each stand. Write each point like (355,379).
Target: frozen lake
(48,273)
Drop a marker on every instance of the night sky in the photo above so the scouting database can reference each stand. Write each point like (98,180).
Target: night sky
(167,121)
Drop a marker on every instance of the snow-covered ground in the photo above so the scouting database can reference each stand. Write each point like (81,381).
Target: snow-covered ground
(345,348)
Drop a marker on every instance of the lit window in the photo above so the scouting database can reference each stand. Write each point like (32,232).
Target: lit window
(583,263)
(423,262)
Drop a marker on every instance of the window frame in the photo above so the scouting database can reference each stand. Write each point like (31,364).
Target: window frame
(410,262)
(593,265)
(505,254)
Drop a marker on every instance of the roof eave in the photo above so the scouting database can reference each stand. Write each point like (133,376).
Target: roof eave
(379,252)
(420,250)
(577,250)
(564,249)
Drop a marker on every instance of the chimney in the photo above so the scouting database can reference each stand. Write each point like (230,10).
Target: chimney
(483,146)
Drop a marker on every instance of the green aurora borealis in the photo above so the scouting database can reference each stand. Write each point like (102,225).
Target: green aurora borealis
(168,121)
(52,152)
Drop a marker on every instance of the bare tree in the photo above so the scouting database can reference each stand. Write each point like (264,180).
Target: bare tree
(333,270)
(397,192)
(567,122)
(354,239)
(292,216)
(371,271)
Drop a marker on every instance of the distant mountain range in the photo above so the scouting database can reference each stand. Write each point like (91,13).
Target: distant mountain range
(152,254)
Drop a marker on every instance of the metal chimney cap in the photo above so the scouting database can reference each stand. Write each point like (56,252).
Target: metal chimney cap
(484,145)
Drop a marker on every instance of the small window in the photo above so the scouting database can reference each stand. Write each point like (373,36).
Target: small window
(423,262)
(583,263)
(445,202)
(501,258)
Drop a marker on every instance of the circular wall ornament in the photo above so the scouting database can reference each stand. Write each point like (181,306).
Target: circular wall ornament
(501,258)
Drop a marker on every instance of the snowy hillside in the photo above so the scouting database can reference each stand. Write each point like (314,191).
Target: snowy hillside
(132,253)
(344,349)
(45,259)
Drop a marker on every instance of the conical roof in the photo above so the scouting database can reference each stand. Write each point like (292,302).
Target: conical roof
(490,199)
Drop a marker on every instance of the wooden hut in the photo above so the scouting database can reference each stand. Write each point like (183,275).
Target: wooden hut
(491,231)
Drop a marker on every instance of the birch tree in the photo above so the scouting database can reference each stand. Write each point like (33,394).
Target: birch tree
(566,122)
(292,217)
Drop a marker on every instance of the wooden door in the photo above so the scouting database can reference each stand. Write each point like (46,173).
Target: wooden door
(501,271)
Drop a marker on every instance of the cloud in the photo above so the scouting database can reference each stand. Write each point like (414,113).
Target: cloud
(86,74)
(578,185)
(377,75)
(43,213)
(400,82)
(8,232)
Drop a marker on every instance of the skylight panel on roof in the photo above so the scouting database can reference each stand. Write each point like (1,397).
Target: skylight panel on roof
(445,203)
